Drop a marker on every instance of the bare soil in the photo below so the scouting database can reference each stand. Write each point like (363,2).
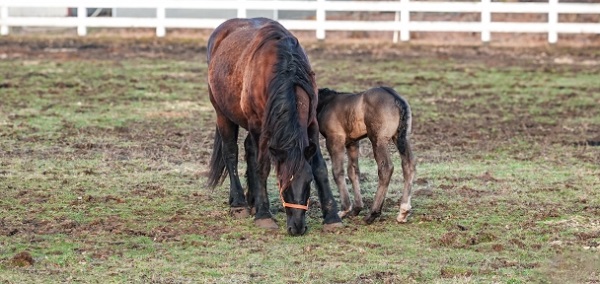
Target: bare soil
(431,133)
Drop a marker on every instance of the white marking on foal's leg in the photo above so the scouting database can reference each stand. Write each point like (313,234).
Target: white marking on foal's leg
(343,213)
(404,212)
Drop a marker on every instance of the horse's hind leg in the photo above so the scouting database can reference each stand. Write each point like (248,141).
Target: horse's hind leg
(354,175)
(251,171)
(229,134)
(335,146)
(385,168)
(408,171)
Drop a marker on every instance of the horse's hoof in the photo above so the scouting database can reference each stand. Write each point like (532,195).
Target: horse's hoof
(404,213)
(369,219)
(267,223)
(344,213)
(239,212)
(403,217)
(351,212)
(333,227)
(252,211)
(355,211)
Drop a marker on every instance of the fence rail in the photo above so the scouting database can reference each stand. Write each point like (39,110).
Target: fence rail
(402,24)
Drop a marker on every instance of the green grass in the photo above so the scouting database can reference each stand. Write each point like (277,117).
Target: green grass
(103,163)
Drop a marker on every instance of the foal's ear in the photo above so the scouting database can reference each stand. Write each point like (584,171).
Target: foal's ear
(278,154)
(310,150)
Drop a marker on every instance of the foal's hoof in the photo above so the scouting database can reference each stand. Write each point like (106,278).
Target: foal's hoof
(351,212)
(369,219)
(333,227)
(344,213)
(239,212)
(404,213)
(267,223)
(403,217)
(355,211)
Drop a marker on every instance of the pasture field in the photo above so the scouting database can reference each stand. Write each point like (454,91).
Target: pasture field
(104,145)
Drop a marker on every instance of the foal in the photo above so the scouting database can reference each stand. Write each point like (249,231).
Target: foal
(381,115)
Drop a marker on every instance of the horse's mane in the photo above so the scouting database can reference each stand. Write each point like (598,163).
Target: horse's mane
(325,97)
(282,126)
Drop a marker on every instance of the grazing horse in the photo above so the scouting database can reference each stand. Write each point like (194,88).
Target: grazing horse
(381,115)
(259,78)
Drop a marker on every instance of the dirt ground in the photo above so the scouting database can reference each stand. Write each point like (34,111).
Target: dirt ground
(428,134)
(160,142)
(180,46)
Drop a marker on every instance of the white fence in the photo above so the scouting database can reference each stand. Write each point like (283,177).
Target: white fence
(402,23)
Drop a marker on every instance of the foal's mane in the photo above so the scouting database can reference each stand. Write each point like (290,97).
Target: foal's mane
(281,126)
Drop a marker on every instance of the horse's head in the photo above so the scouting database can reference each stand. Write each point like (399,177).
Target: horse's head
(294,188)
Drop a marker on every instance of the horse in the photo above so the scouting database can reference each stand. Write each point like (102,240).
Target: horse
(381,115)
(260,78)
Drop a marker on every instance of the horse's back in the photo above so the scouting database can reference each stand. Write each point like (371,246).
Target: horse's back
(243,56)
(374,110)
(233,26)
(230,47)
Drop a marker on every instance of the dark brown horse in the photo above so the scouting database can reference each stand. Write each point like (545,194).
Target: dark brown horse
(259,78)
(381,115)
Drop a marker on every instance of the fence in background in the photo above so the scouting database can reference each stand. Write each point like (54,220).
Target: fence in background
(401,25)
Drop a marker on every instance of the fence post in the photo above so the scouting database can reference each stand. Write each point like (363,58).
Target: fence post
(320,19)
(241,12)
(160,18)
(396,32)
(486,20)
(405,20)
(4,17)
(552,21)
(276,12)
(81,20)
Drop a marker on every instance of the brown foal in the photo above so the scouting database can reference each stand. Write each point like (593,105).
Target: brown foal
(381,115)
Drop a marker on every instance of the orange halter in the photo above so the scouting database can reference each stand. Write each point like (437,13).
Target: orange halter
(290,205)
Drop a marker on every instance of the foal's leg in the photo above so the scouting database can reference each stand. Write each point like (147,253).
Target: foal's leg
(251,171)
(408,171)
(354,175)
(329,207)
(385,168)
(229,134)
(335,146)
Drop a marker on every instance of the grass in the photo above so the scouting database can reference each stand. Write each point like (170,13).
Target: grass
(102,165)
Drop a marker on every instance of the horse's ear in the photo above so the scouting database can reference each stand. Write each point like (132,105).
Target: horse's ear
(278,154)
(310,150)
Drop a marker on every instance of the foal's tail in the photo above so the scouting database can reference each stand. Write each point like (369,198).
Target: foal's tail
(217,171)
(404,126)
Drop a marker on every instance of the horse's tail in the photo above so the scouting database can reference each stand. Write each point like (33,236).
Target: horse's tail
(217,171)
(404,125)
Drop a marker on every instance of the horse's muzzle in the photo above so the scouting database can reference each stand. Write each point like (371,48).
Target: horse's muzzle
(296,223)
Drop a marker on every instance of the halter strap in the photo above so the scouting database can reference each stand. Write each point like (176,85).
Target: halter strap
(291,205)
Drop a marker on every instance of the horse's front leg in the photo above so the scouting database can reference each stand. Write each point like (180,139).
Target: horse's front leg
(263,217)
(252,178)
(329,207)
